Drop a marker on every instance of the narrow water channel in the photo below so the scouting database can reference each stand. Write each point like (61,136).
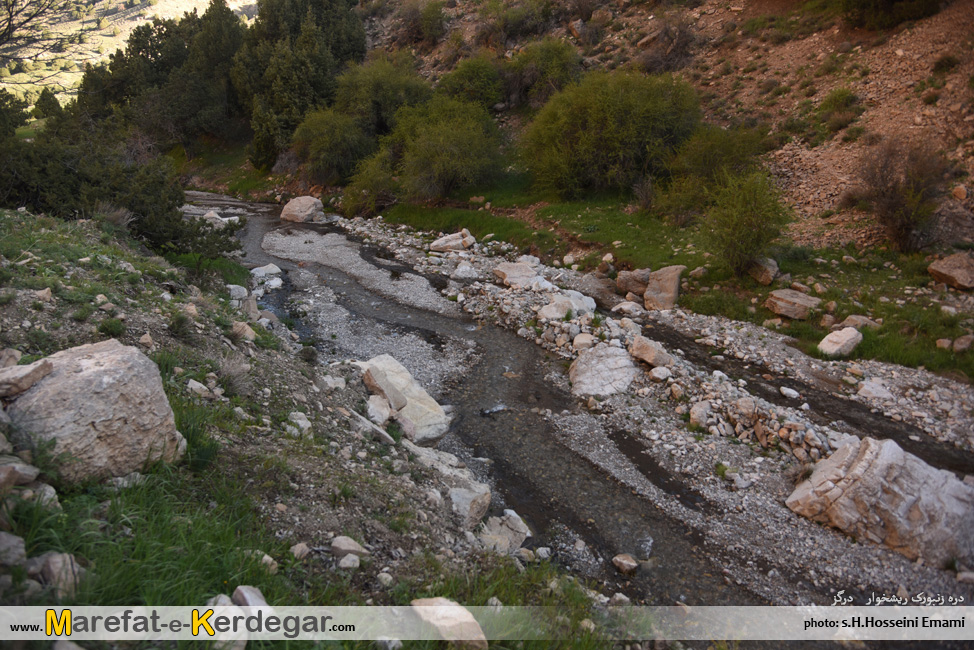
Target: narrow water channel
(549,485)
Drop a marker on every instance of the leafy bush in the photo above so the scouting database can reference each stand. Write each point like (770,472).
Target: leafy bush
(540,70)
(501,22)
(112,327)
(422,21)
(331,143)
(609,131)
(444,144)
(373,91)
(435,148)
(373,186)
(476,80)
(746,216)
(712,151)
(883,14)
(901,181)
(684,200)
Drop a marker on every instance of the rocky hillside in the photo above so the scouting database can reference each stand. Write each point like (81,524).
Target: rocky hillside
(273,458)
(775,62)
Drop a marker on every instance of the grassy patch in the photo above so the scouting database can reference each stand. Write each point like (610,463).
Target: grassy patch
(223,167)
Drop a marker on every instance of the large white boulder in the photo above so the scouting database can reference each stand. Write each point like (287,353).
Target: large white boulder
(791,303)
(421,418)
(663,287)
(458,241)
(303,209)
(104,407)
(840,343)
(603,370)
(873,490)
(563,303)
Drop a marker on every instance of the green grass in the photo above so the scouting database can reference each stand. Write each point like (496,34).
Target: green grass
(229,271)
(224,167)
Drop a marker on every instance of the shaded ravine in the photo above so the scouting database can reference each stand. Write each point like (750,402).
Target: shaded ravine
(538,476)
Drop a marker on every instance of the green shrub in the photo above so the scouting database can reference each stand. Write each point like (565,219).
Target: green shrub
(476,80)
(540,70)
(609,131)
(713,151)
(13,113)
(839,109)
(331,143)
(746,216)
(901,181)
(422,21)
(112,327)
(444,144)
(684,200)
(945,64)
(373,91)
(373,186)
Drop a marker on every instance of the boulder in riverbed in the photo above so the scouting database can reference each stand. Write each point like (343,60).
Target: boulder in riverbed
(603,370)
(875,491)
(422,419)
(303,209)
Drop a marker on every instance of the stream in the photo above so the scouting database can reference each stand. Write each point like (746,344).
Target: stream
(500,429)
(546,483)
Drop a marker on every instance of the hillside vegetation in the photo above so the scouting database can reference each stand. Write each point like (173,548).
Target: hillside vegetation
(595,122)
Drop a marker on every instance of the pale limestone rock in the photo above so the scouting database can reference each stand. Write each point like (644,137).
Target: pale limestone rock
(146,340)
(470,499)
(105,409)
(584,341)
(699,413)
(303,209)
(9,357)
(470,503)
(62,572)
(243,331)
(957,270)
(791,303)
(423,420)
(350,562)
(517,275)
(660,374)
(300,551)
(504,534)
(859,322)
(602,370)
(378,409)
(14,471)
(453,622)
(562,304)
(633,281)
(12,550)
(247,596)
(15,380)
(764,270)
(874,389)
(875,491)
(456,242)
(663,287)
(625,563)
(342,546)
(650,351)
(379,384)
(840,343)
